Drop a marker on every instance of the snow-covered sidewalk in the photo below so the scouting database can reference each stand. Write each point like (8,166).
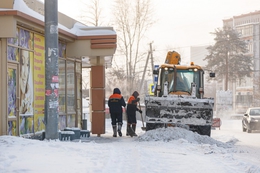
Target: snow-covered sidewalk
(162,150)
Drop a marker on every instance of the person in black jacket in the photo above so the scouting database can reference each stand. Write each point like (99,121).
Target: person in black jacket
(131,113)
(115,103)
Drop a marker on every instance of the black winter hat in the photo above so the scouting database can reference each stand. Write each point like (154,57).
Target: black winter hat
(117,91)
(135,94)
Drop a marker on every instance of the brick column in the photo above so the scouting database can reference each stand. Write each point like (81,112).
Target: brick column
(98,99)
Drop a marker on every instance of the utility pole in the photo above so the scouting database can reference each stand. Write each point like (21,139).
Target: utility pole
(51,112)
(152,65)
(145,67)
(150,53)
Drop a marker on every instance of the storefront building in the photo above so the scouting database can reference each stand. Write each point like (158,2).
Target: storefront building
(22,72)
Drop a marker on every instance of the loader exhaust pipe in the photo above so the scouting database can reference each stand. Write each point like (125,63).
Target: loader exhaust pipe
(201,90)
(193,89)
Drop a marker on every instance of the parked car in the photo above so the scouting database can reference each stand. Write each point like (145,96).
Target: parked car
(251,120)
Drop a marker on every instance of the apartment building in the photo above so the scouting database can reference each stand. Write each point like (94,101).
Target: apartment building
(246,89)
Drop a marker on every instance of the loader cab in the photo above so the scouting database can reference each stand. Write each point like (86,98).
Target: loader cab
(178,80)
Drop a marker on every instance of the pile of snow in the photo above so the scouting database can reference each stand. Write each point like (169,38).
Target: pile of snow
(177,133)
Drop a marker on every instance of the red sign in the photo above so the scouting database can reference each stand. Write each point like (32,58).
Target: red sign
(216,122)
(55,79)
(48,92)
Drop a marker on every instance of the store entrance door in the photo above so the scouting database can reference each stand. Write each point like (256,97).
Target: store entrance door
(78,94)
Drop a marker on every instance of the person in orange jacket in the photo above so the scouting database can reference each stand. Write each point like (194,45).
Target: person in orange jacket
(115,103)
(131,113)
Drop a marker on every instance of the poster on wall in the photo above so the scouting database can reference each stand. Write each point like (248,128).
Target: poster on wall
(39,82)
(12,100)
(25,39)
(13,54)
(26,92)
(11,92)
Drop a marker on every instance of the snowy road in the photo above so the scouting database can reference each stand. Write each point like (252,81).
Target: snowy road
(170,150)
(234,128)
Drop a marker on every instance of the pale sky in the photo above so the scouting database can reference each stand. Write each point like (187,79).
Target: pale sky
(189,23)
(179,24)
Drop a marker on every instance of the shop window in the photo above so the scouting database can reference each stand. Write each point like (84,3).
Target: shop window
(12,76)
(27,52)
(12,50)
(25,39)
(12,54)
(26,125)
(21,49)
(26,83)
(12,128)
(62,122)
(70,86)
(71,120)
(62,50)
(62,82)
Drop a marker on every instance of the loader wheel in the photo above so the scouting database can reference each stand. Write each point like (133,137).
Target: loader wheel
(204,130)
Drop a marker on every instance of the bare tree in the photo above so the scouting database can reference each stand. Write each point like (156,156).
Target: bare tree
(91,12)
(132,20)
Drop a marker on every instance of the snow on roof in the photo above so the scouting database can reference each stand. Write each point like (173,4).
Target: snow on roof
(79,29)
(20,5)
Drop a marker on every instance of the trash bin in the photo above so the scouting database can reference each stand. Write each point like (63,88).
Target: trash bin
(85,124)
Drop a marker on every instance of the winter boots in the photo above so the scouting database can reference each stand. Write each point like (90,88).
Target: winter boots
(127,129)
(134,127)
(131,130)
(119,129)
(114,131)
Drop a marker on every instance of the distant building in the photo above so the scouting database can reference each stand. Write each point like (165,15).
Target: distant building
(198,53)
(248,25)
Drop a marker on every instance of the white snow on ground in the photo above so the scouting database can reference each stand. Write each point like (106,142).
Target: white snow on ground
(161,150)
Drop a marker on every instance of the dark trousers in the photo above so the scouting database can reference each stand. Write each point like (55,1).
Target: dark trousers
(116,118)
(131,118)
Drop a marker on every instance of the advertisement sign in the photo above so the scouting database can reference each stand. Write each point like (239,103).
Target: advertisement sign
(39,82)
(151,89)
(26,92)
